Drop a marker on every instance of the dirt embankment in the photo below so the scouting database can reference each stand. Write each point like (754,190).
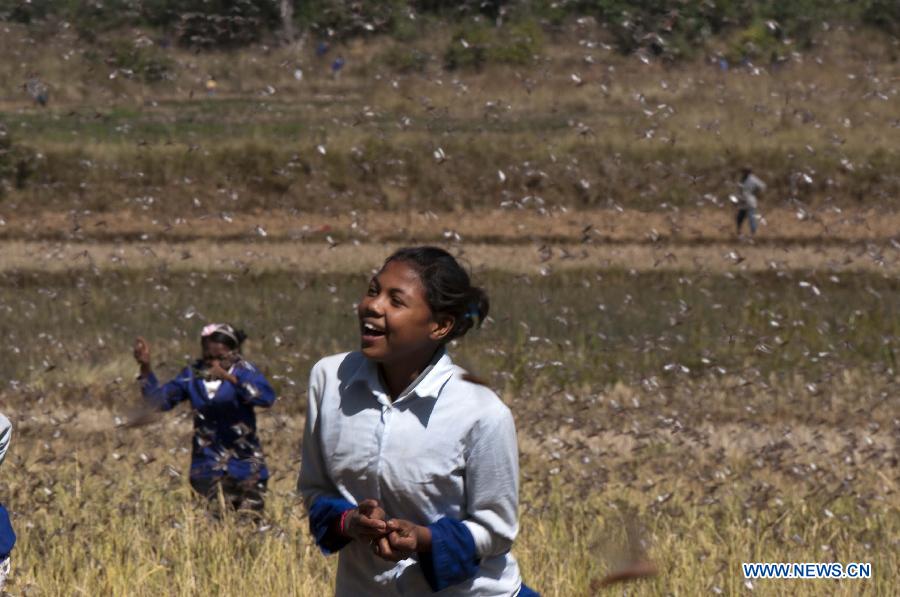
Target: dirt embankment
(518,241)
(353,257)
(784,227)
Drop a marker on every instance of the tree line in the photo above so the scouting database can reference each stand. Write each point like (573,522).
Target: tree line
(662,26)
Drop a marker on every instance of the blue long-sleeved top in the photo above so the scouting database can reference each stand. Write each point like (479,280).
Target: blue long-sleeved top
(7,535)
(225,440)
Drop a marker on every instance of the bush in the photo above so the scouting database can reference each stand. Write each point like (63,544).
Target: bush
(201,23)
(198,23)
(474,46)
(91,18)
(884,14)
(148,63)
(670,28)
(675,27)
(20,11)
(405,29)
(341,19)
(468,48)
(224,23)
(665,27)
(17,163)
(519,43)
(758,41)
(488,8)
(401,58)
(163,13)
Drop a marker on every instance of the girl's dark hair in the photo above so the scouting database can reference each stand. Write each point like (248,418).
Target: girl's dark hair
(228,340)
(448,288)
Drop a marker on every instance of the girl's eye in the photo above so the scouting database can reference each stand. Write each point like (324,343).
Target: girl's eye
(396,302)
(372,290)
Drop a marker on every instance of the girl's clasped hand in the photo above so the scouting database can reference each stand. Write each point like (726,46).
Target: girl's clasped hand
(392,539)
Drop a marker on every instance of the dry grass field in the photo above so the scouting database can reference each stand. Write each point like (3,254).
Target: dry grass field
(680,394)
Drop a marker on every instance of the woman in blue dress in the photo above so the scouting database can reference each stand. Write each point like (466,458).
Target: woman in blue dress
(224,389)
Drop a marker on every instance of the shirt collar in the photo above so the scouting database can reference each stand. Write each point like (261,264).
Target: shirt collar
(428,385)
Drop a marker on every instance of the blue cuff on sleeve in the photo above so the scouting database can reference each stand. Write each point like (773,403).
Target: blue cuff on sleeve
(322,515)
(453,558)
(7,535)
(153,393)
(149,383)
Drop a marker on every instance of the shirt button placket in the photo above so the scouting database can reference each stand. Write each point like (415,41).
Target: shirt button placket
(386,415)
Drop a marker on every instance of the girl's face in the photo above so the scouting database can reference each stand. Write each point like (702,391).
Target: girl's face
(395,320)
(215,351)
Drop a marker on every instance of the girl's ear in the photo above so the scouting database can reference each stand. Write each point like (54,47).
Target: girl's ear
(443,325)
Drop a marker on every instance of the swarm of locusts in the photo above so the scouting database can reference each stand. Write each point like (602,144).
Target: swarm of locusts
(686,399)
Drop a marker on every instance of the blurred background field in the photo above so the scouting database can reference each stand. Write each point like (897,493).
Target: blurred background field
(581,120)
(679,392)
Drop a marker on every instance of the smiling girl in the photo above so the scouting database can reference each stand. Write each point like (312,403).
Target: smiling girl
(409,467)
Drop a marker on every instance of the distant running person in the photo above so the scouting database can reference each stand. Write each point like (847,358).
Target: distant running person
(750,186)
(410,467)
(223,389)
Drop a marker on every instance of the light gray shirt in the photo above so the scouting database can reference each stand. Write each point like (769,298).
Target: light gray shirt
(445,447)
(5,435)
(750,186)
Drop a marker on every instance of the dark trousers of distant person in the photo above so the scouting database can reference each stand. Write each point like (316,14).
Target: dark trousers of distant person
(746,213)
(246,494)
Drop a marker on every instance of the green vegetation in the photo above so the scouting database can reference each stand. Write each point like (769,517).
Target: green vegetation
(665,27)
(476,45)
(147,63)
(365,173)
(566,123)
(17,162)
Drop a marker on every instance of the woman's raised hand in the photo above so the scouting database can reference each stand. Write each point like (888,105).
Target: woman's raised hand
(142,352)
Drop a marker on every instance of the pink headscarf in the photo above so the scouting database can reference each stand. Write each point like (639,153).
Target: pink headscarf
(221,328)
